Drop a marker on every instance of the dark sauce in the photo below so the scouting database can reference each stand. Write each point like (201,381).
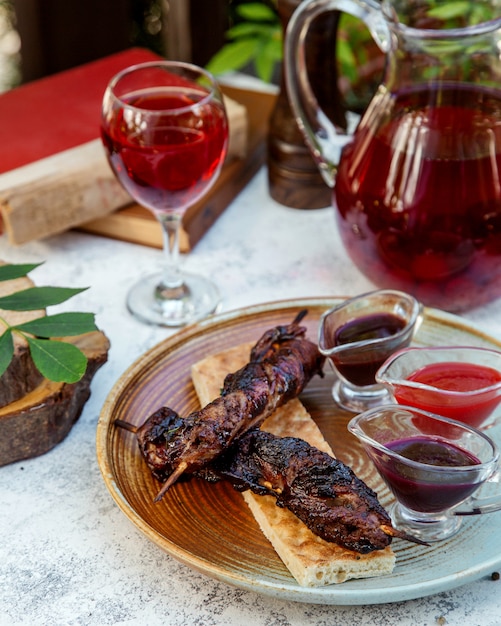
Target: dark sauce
(417,488)
(360,366)
(369,327)
(433,452)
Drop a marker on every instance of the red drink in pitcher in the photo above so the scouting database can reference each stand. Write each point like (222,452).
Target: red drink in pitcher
(419,195)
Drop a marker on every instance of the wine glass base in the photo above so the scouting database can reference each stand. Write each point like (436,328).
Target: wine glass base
(426,527)
(359,400)
(194,300)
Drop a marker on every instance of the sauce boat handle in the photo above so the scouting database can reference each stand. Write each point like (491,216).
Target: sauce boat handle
(479,505)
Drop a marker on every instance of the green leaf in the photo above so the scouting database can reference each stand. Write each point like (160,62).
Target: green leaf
(36,298)
(6,350)
(232,56)
(265,60)
(57,360)
(245,29)
(10,272)
(274,49)
(481,13)
(345,53)
(256,12)
(450,10)
(60,325)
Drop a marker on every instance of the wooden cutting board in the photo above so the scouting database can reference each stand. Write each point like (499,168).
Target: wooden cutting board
(138,225)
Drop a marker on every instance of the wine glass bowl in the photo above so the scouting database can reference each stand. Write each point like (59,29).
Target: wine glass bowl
(430,463)
(165,133)
(358,335)
(459,382)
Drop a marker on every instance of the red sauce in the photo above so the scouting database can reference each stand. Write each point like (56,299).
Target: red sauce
(457,376)
(454,377)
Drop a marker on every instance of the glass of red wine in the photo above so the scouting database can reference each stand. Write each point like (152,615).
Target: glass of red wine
(460,382)
(358,335)
(432,465)
(165,132)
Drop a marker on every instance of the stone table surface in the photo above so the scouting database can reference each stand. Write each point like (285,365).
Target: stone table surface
(68,555)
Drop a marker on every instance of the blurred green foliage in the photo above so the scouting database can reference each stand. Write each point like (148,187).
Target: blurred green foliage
(254,39)
(255,42)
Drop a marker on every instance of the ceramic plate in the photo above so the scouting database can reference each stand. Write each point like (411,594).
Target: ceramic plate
(209,527)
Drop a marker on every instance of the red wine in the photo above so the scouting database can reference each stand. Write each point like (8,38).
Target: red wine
(453,377)
(416,487)
(360,366)
(171,161)
(419,197)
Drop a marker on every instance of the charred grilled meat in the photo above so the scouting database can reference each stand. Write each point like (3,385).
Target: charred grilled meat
(321,491)
(281,363)
(223,441)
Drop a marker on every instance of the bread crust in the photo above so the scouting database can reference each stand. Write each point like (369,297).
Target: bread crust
(312,561)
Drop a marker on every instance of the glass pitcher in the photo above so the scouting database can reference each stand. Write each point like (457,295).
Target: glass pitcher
(417,183)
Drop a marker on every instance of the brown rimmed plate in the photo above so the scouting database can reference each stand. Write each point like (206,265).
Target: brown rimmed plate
(209,527)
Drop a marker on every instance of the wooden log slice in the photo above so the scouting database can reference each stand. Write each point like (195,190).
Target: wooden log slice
(21,376)
(35,423)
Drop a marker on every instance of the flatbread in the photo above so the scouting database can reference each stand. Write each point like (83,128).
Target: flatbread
(312,561)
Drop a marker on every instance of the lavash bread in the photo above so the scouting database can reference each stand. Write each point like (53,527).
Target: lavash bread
(312,561)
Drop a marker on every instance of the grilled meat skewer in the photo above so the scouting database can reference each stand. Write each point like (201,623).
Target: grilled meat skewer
(281,364)
(320,490)
(223,441)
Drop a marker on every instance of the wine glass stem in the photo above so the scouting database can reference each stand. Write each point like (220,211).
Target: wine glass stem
(172,278)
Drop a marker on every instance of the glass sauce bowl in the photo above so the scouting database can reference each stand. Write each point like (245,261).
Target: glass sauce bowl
(358,335)
(459,382)
(431,464)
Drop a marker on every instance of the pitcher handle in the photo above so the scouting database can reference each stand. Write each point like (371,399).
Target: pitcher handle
(476,505)
(324,139)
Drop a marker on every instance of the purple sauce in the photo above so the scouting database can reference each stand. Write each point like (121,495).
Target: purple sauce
(418,488)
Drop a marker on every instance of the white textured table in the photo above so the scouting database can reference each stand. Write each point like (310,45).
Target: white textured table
(68,555)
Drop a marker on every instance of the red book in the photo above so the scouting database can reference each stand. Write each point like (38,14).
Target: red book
(58,112)
(53,170)
(54,174)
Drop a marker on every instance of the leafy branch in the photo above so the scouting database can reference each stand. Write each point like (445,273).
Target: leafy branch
(56,360)
(256,38)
